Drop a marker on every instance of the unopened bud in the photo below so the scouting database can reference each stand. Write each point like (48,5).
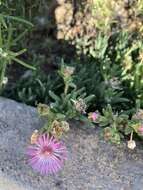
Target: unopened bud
(43,109)
(34,137)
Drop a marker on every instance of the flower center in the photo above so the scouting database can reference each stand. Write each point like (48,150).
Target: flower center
(47,151)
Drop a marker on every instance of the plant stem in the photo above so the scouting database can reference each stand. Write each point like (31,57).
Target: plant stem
(66,88)
(2,74)
(131,137)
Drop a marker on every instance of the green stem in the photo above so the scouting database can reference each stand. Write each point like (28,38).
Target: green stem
(131,137)
(66,88)
(2,74)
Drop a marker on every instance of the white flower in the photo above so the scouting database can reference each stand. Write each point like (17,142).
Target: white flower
(131,144)
(80,105)
(5,81)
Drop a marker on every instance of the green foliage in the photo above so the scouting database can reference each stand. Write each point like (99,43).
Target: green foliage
(95,47)
(7,42)
(117,124)
(35,88)
(72,102)
(25,8)
(103,80)
(65,104)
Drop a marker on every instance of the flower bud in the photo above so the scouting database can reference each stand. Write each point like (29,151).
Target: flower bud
(57,130)
(68,71)
(34,137)
(107,134)
(80,105)
(43,109)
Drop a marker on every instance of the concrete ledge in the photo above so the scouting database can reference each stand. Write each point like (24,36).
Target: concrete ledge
(92,165)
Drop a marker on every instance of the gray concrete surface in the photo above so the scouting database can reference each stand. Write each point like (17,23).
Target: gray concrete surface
(92,163)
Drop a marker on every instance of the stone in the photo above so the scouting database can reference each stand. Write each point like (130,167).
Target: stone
(92,164)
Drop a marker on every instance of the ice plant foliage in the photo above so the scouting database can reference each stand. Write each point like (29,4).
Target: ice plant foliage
(47,155)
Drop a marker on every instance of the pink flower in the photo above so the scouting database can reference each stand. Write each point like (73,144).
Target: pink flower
(93,116)
(47,156)
(141,129)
